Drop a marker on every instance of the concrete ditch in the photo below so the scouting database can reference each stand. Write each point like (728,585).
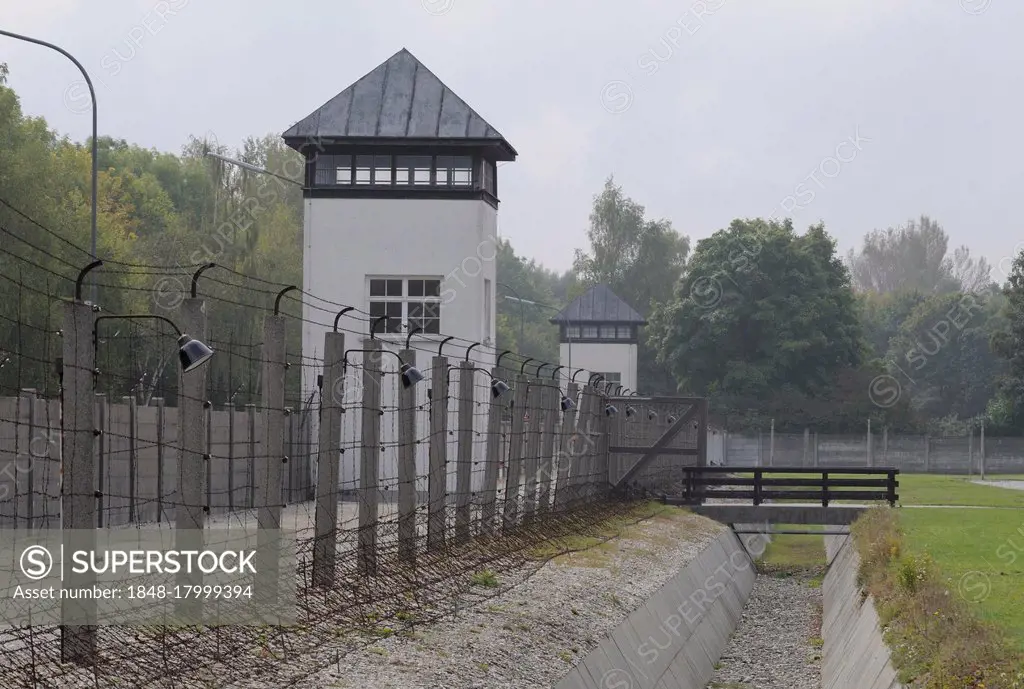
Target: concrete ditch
(854,655)
(674,640)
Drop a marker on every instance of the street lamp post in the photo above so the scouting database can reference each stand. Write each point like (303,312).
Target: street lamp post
(95,146)
(553,308)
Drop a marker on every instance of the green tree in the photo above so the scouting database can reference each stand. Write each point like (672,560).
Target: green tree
(762,315)
(881,316)
(944,356)
(526,328)
(641,260)
(913,257)
(1007,409)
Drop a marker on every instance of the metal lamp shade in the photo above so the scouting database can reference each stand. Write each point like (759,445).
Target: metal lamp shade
(652,415)
(192,353)
(498,388)
(410,375)
(567,403)
(630,411)
(611,410)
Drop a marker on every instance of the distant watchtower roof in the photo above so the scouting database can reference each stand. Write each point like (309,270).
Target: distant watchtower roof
(599,305)
(400,102)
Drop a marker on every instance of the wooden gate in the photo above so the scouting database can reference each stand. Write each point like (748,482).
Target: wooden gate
(652,438)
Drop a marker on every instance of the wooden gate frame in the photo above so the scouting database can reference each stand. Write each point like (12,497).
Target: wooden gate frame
(699,410)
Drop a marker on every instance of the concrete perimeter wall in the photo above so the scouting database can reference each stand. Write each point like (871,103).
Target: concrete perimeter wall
(674,640)
(912,454)
(854,654)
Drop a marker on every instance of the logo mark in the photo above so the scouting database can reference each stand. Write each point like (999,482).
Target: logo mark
(36,562)
(884,391)
(616,678)
(975,7)
(617,97)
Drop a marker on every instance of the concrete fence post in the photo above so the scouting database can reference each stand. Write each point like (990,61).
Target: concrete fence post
(437,478)
(332,395)
(464,467)
(489,491)
(520,398)
(807,447)
(26,402)
(814,448)
(535,409)
(970,451)
(885,445)
(868,448)
(193,460)
(78,489)
(230,409)
(102,415)
(133,456)
(591,423)
(251,461)
(407,467)
(565,458)
(981,456)
(160,457)
(548,467)
(927,453)
(369,459)
(270,459)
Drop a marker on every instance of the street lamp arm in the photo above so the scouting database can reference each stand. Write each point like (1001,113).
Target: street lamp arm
(95,137)
(252,168)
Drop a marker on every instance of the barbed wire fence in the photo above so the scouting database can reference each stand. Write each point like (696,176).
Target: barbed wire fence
(406,475)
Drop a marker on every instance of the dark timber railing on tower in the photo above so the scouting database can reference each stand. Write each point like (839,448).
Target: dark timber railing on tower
(761,485)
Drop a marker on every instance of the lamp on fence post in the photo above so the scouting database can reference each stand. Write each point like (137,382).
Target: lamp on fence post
(78,499)
(194,461)
(332,395)
(192,507)
(270,463)
(410,374)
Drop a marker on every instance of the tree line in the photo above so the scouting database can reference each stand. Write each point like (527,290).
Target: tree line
(770,323)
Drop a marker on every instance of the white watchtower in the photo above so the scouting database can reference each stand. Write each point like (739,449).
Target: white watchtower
(401,195)
(599,333)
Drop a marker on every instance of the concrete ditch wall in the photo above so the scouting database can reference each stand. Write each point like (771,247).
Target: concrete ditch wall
(854,655)
(674,640)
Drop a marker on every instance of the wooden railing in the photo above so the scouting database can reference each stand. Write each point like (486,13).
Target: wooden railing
(785,483)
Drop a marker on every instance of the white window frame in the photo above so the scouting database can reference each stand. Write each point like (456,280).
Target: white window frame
(611,377)
(393,328)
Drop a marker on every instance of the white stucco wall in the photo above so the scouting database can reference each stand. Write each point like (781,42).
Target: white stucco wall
(600,357)
(345,240)
(348,239)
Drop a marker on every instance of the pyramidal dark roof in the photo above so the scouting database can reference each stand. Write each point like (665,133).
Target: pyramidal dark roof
(599,305)
(399,99)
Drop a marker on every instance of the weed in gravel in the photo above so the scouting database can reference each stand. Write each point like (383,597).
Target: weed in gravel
(486,579)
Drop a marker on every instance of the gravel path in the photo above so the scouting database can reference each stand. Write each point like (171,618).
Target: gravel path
(1012,485)
(772,647)
(534,633)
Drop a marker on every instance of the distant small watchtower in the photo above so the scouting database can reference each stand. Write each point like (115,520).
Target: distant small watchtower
(600,333)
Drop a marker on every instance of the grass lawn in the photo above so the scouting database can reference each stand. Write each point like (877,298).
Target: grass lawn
(931,489)
(796,551)
(934,489)
(981,554)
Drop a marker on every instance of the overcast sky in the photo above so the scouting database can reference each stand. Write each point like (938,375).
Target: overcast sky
(704,111)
